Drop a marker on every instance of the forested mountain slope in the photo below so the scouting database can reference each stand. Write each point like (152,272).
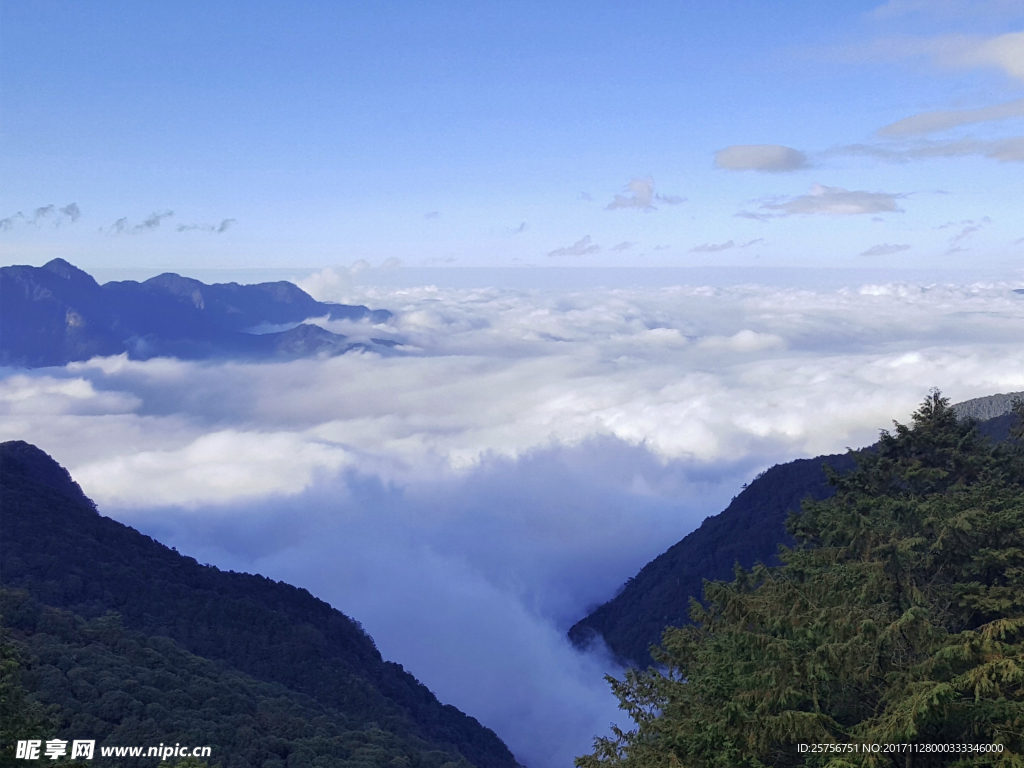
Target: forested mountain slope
(96,680)
(748,531)
(57,548)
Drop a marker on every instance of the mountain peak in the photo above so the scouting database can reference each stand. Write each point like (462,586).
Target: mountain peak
(175,284)
(25,459)
(69,271)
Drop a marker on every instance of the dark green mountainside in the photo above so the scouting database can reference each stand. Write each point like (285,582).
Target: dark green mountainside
(750,530)
(98,681)
(57,550)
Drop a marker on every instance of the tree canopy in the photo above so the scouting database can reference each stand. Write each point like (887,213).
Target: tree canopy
(897,619)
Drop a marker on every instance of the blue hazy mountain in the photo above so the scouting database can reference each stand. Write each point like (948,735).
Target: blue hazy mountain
(748,531)
(343,705)
(57,313)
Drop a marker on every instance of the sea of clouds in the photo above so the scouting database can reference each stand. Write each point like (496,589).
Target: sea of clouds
(520,455)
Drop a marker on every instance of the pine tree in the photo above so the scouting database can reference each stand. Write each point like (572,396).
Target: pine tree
(897,619)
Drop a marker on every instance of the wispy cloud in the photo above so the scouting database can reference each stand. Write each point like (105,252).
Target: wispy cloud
(45,214)
(512,231)
(941,120)
(1006,150)
(432,215)
(769,158)
(713,247)
(755,216)
(728,244)
(1004,52)
(641,196)
(581,247)
(625,245)
(885,249)
(123,227)
(963,234)
(830,201)
(216,229)
(965,230)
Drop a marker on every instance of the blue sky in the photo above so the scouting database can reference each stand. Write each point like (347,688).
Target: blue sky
(190,135)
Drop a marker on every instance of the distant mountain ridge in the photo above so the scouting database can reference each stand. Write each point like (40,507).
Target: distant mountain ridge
(989,407)
(748,531)
(57,313)
(56,547)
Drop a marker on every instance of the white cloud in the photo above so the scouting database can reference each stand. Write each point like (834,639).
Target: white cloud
(641,196)
(771,158)
(222,466)
(625,245)
(1004,52)
(336,282)
(941,120)
(885,249)
(834,201)
(744,341)
(581,247)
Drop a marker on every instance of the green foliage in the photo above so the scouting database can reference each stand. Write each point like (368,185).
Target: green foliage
(121,688)
(897,618)
(20,716)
